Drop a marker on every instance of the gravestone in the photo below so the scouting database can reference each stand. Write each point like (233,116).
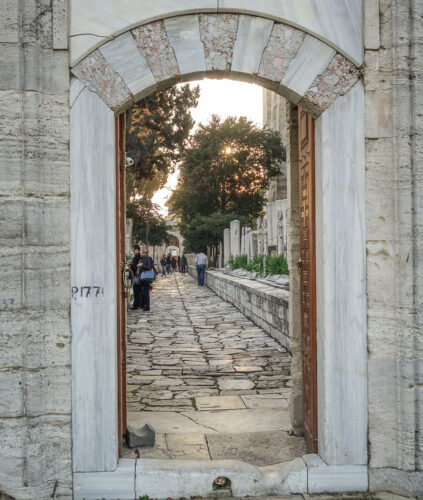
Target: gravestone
(235,238)
(226,245)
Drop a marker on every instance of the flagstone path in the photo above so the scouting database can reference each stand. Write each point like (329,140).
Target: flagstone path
(211,383)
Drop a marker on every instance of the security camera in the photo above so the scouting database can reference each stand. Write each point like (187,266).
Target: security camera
(129,161)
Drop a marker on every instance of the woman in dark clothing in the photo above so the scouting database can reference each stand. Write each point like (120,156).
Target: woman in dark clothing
(169,264)
(134,265)
(146,265)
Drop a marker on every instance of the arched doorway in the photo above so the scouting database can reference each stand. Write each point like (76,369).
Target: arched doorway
(312,75)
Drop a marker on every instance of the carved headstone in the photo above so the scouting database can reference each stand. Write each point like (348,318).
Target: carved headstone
(243,241)
(226,246)
(259,237)
(265,236)
(281,235)
(235,238)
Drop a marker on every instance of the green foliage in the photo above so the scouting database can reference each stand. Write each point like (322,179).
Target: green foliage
(205,230)
(226,169)
(238,262)
(148,224)
(256,265)
(144,497)
(158,127)
(275,264)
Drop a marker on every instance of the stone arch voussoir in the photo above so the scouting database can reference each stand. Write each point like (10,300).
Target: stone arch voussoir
(275,55)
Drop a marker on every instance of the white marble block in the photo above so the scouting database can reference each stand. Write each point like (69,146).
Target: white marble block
(124,57)
(183,33)
(93,281)
(254,33)
(341,281)
(119,483)
(311,59)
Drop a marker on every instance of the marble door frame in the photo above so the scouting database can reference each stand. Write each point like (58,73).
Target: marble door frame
(97,94)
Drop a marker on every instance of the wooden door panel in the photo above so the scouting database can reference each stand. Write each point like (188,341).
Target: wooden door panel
(120,252)
(307,268)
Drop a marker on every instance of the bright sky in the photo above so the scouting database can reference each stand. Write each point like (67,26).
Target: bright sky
(224,98)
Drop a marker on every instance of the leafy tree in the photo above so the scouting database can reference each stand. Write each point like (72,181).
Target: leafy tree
(227,168)
(148,224)
(157,133)
(205,230)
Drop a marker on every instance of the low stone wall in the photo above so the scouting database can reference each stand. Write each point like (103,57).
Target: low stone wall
(265,305)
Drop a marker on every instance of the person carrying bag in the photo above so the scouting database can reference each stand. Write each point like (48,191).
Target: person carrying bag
(135,268)
(146,277)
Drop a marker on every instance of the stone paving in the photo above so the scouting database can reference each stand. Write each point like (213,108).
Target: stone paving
(211,383)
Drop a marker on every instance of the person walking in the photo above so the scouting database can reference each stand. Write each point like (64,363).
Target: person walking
(173,264)
(201,263)
(147,269)
(134,265)
(183,264)
(163,265)
(168,264)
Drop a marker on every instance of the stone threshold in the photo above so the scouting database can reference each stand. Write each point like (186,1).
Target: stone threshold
(161,479)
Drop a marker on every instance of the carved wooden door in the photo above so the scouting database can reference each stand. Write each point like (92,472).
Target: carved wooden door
(120,252)
(307,268)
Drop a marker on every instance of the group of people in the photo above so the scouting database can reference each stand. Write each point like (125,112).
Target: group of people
(142,266)
(171,263)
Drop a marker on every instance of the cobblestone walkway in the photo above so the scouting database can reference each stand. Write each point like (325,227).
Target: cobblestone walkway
(211,383)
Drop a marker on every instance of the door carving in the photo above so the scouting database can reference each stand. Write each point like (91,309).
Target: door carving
(120,252)
(307,269)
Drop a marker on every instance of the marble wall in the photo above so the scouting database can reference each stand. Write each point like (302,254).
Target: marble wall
(35,327)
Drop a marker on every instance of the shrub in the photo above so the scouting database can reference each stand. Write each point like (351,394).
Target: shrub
(256,265)
(275,264)
(238,262)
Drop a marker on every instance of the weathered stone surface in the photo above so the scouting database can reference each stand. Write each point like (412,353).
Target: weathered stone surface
(339,76)
(35,411)
(258,448)
(265,401)
(230,384)
(154,45)
(140,437)
(407,483)
(218,34)
(282,47)
(219,403)
(60,24)
(99,77)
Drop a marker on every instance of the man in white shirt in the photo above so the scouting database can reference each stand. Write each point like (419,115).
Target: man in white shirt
(201,263)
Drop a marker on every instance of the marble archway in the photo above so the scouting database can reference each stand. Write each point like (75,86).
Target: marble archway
(280,57)
(322,78)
